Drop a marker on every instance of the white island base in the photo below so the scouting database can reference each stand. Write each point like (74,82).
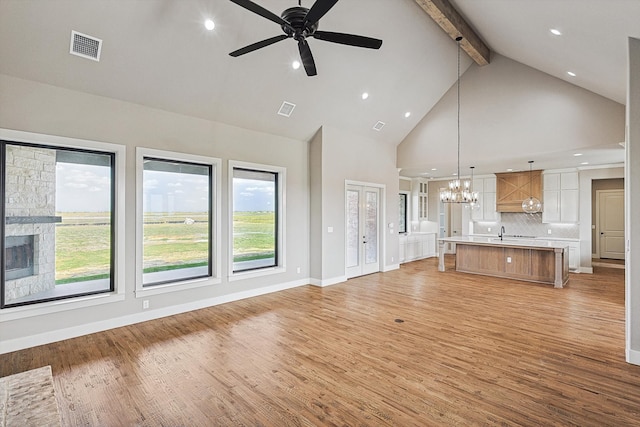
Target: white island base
(529,260)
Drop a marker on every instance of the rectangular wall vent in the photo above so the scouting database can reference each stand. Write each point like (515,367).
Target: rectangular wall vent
(85,46)
(286,109)
(378,126)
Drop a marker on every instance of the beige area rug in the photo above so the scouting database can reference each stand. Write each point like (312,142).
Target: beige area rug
(28,399)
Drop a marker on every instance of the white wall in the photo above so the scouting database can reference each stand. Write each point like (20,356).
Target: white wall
(349,157)
(632,205)
(34,107)
(509,109)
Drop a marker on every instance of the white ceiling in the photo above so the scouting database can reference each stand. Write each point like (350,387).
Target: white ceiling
(157,53)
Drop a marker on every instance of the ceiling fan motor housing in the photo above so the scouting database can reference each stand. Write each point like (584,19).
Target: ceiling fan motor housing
(296,17)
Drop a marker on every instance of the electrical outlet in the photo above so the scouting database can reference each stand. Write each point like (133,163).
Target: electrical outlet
(145,304)
(298,270)
(549,231)
(508,260)
(489,229)
(391,259)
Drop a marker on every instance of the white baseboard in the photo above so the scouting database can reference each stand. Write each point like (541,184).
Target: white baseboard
(633,357)
(391,267)
(328,282)
(588,270)
(90,328)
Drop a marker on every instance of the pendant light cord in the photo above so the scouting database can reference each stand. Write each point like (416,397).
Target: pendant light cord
(458,90)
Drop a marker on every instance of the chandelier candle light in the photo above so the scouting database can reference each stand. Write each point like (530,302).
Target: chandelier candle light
(459,191)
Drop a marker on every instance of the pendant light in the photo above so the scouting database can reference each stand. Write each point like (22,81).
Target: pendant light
(531,205)
(458,191)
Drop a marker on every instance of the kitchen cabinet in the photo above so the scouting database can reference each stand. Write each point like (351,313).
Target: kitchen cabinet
(523,260)
(486,188)
(417,246)
(420,196)
(512,188)
(561,197)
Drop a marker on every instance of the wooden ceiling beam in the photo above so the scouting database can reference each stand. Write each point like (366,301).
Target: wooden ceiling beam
(448,18)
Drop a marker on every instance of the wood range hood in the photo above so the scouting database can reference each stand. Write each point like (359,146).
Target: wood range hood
(512,188)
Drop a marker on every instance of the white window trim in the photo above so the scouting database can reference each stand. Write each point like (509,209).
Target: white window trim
(74,303)
(216,245)
(281,255)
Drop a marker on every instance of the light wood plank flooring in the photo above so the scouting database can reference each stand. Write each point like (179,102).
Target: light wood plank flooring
(412,347)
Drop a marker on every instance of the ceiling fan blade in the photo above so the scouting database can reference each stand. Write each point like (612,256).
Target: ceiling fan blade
(307,58)
(258,45)
(348,39)
(257,9)
(318,10)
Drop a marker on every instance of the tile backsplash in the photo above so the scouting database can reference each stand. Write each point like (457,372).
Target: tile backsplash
(527,225)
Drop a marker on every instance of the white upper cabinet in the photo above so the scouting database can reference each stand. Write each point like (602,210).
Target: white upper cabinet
(420,199)
(561,203)
(486,188)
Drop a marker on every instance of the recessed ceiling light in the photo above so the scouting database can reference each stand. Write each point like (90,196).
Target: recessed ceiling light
(509,170)
(365,95)
(555,32)
(455,174)
(209,24)
(434,169)
(295,65)
(571,73)
(584,163)
(407,114)
(577,154)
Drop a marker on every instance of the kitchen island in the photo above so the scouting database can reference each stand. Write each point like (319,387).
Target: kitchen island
(521,259)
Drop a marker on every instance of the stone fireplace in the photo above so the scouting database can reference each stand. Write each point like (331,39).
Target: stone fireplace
(30,186)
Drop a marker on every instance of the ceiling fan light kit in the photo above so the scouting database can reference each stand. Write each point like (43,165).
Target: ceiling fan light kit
(299,23)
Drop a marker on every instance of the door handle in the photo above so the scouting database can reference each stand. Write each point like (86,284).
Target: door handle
(602,233)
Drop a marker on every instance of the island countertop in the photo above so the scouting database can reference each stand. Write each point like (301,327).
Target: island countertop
(507,241)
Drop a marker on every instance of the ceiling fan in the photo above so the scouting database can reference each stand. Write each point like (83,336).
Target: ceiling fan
(299,23)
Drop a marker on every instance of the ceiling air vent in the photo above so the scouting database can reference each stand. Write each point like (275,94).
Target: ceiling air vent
(378,126)
(85,46)
(286,109)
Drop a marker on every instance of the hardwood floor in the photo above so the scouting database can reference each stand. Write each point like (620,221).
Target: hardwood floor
(412,347)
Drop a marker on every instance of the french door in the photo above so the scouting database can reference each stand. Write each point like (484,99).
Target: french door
(362,230)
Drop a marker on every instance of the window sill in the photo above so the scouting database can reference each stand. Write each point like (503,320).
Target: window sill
(176,286)
(40,309)
(242,275)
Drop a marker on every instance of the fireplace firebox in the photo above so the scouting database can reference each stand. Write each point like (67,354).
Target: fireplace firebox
(19,257)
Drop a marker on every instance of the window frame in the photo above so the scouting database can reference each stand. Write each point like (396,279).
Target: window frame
(280,215)
(215,243)
(406,195)
(118,227)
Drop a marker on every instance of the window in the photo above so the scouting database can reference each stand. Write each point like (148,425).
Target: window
(257,217)
(58,219)
(402,213)
(176,221)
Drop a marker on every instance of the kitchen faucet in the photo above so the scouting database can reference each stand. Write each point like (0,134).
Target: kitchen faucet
(501,232)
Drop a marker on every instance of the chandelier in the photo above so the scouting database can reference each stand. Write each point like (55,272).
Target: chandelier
(459,191)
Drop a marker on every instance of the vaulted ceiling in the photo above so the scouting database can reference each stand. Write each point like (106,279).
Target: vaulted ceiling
(158,53)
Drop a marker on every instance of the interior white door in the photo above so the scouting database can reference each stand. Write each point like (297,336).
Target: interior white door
(362,233)
(611,223)
(454,216)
